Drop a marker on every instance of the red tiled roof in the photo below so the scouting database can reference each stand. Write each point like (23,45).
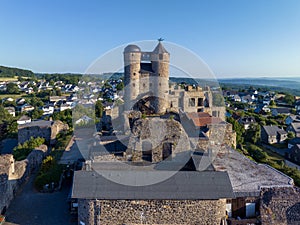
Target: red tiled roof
(202,119)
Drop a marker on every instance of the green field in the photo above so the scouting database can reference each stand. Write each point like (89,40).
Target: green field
(8,79)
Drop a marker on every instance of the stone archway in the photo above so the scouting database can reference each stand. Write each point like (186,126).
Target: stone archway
(293,214)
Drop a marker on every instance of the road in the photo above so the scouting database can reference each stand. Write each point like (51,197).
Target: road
(33,208)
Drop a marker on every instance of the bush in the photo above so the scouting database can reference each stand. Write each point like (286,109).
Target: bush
(50,172)
(22,150)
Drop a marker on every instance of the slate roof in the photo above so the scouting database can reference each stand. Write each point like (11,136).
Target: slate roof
(273,130)
(183,185)
(296,126)
(159,49)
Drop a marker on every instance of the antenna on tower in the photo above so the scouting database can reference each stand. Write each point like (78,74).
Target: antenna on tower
(160,39)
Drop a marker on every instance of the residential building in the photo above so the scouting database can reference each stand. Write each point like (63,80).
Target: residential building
(23,120)
(273,134)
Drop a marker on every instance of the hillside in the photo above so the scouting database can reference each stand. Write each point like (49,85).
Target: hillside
(12,72)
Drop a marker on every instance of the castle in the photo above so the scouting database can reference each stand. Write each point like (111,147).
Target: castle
(225,189)
(147,88)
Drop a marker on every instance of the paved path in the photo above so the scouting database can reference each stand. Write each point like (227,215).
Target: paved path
(33,208)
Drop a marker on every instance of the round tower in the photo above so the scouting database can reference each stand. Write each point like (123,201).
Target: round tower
(132,67)
(160,65)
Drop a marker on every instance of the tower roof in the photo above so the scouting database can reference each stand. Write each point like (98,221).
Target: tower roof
(132,48)
(159,49)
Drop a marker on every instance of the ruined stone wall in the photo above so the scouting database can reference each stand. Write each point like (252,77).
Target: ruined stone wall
(156,132)
(13,174)
(49,133)
(192,212)
(25,133)
(280,206)
(56,128)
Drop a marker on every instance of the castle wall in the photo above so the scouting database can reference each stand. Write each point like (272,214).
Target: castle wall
(197,212)
(13,174)
(280,206)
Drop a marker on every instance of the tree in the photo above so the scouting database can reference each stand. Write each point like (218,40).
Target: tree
(291,135)
(36,114)
(120,86)
(289,99)
(36,102)
(272,103)
(12,88)
(99,109)
(253,134)
(239,129)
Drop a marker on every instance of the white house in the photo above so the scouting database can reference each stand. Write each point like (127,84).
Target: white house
(24,120)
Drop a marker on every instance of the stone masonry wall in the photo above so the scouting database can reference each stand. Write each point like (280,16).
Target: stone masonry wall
(192,212)
(280,206)
(13,174)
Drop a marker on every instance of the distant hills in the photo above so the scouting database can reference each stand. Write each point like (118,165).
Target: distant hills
(12,72)
(285,84)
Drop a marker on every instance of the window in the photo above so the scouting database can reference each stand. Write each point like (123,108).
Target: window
(192,102)
(200,102)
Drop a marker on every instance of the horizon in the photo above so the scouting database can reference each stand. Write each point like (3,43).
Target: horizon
(234,39)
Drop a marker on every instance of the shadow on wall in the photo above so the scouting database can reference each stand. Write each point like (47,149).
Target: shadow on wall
(293,214)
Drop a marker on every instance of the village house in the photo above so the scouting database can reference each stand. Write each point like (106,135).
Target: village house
(293,142)
(23,120)
(292,119)
(273,134)
(247,121)
(280,111)
(295,128)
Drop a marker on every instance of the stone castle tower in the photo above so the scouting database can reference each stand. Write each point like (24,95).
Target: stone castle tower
(146,78)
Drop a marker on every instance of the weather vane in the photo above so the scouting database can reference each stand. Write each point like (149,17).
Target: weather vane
(160,39)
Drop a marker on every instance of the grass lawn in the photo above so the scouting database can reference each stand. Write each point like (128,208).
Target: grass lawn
(272,155)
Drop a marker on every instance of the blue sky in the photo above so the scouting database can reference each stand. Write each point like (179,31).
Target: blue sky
(236,38)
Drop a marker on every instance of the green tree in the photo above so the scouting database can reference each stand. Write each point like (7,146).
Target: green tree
(120,86)
(99,109)
(272,103)
(289,99)
(12,88)
(36,114)
(253,134)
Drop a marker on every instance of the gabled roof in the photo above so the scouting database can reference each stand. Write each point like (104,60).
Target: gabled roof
(296,126)
(183,185)
(273,130)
